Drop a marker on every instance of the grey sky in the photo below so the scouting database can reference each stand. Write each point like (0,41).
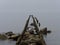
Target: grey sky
(13,13)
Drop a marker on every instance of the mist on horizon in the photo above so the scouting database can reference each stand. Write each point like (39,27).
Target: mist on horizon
(14,13)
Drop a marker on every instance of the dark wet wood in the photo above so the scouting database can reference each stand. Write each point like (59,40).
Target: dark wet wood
(30,37)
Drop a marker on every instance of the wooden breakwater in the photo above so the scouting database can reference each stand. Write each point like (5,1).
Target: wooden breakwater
(31,35)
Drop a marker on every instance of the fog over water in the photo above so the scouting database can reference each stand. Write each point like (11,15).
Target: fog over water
(14,13)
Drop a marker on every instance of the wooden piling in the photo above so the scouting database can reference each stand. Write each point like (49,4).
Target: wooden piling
(31,38)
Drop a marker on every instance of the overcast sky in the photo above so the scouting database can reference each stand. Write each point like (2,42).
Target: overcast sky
(14,13)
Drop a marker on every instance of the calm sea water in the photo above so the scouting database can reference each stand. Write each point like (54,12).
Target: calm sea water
(7,42)
(51,39)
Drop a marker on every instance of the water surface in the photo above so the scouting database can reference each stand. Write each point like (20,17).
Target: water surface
(7,42)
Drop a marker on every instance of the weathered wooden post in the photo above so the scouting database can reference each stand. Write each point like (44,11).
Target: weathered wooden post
(38,38)
(35,24)
(20,38)
(40,34)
